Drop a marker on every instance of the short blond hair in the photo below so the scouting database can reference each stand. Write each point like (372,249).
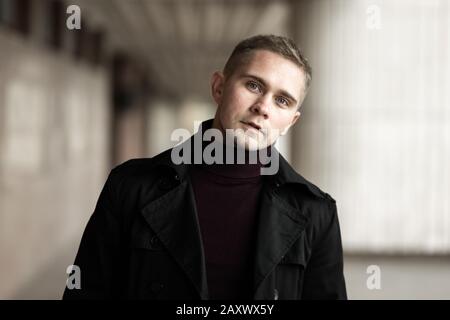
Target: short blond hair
(277,44)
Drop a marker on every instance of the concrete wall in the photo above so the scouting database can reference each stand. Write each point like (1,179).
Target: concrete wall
(375,132)
(54,130)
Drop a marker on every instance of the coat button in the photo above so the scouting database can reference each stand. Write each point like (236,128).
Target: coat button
(154,240)
(275,294)
(176,177)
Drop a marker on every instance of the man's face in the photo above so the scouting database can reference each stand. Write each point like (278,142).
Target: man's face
(265,92)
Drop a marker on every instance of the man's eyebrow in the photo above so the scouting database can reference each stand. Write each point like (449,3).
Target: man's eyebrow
(283,92)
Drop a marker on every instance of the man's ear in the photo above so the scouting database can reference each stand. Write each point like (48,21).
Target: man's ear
(296,117)
(217,84)
(294,120)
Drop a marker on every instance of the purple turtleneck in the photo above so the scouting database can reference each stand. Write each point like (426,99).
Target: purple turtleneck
(227,199)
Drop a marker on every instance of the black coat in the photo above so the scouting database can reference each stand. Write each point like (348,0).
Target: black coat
(143,239)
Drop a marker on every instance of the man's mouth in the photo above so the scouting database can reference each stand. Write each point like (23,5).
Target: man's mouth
(252,124)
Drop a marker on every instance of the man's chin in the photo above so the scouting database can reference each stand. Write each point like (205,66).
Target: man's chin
(250,143)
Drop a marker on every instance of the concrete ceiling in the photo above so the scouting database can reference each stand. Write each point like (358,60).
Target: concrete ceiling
(184,41)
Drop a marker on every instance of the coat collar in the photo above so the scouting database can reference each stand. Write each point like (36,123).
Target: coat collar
(285,175)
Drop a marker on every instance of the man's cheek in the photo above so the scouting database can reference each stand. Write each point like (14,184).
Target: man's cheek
(274,134)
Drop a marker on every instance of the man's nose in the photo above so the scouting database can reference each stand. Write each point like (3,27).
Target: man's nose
(262,106)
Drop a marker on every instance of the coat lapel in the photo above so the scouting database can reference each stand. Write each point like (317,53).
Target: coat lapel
(279,226)
(174,219)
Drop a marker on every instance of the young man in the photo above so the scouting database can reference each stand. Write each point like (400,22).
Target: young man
(166,229)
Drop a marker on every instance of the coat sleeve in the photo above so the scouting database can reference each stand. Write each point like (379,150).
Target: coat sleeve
(98,253)
(324,276)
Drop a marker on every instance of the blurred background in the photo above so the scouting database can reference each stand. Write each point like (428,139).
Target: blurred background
(374,132)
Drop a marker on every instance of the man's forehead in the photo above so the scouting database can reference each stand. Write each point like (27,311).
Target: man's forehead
(273,68)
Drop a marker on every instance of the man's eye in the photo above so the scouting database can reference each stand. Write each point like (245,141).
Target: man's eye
(253,86)
(283,101)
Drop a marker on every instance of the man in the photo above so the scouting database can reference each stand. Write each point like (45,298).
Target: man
(165,229)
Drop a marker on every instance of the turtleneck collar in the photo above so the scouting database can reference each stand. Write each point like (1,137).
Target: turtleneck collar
(248,166)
